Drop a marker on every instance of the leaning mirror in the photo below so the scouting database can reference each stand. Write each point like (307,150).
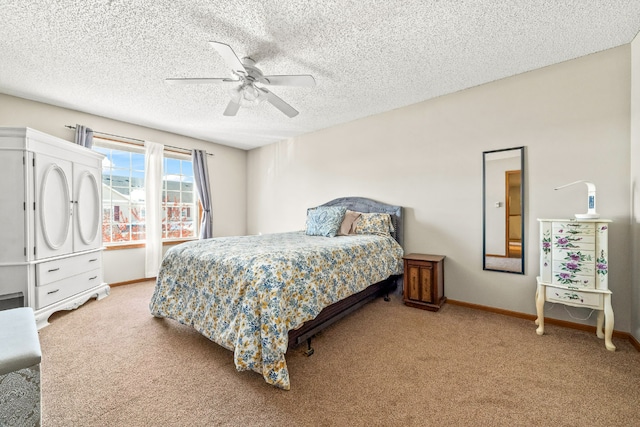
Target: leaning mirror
(503,210)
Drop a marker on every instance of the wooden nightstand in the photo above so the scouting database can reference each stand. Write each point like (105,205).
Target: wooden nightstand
(424,281)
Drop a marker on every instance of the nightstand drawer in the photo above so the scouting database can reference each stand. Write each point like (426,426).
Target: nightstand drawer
(575,298)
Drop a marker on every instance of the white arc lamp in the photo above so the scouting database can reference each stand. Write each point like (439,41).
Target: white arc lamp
(591,200)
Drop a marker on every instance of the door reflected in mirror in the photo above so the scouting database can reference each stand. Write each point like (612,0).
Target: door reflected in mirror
(503,210)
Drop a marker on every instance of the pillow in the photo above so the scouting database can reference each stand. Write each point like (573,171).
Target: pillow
(324,220)
(347,223)
(374,223)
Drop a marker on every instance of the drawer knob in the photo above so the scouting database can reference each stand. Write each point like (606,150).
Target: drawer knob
(52,292)
(94,259)
(92,278)
(54,269)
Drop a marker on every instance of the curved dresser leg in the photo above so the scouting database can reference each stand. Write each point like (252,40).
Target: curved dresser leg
(540,309)
(608,323)
(537,322)
(599,323)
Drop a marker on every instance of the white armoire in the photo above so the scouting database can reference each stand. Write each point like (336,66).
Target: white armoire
(51,246)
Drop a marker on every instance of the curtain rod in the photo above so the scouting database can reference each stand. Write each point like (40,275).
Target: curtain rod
(136,139)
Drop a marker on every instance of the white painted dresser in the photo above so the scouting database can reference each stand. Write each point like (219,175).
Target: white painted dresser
(51,243)
(574,270)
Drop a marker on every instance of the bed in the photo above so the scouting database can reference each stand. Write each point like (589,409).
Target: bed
(260,295)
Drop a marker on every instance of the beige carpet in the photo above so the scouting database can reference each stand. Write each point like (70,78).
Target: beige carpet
(109,363)
(503,264)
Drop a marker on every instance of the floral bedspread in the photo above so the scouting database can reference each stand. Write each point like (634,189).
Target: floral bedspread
(246,293)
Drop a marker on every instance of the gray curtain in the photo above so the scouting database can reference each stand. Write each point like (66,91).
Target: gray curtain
(201,175)
(84,136)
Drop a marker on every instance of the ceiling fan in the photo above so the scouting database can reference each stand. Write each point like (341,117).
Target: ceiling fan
(246,79)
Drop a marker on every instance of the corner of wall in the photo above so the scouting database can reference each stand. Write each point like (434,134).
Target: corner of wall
(635,185)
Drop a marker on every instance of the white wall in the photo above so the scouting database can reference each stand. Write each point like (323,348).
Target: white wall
(635,186)
(227,170)
(574,120)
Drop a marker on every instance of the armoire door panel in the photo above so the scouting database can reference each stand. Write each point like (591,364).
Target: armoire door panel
(13,202)
(53,206)
(88,207)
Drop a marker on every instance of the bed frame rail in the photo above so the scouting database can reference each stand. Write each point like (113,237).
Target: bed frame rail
(337,311)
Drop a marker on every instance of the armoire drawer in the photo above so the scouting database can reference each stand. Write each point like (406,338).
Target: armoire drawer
(51,271)
(57,291)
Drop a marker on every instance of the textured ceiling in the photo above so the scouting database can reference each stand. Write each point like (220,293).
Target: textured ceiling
(110,58)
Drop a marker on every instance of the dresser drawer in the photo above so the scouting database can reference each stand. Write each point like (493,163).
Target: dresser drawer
(57,291)
(51,271)
(580,281)
(572,228)
(575,298)
(574,268)
(574,241)
(583,256)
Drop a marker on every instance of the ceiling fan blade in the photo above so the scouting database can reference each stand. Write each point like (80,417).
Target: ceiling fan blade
(304,80)
(232,108)
(279,103)
(199,81)
(230,58)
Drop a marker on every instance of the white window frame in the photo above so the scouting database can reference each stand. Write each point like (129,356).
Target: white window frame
(167,194)
(128,224)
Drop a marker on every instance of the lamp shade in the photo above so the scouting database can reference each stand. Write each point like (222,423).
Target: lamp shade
(247,95)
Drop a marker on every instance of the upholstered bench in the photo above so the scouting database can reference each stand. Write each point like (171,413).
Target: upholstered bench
(20,357)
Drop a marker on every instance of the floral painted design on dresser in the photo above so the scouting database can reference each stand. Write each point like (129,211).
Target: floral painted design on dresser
(546,247)
(570,229)
(569,279)
(574,262)
(602,267)
(570,296)
(566,242)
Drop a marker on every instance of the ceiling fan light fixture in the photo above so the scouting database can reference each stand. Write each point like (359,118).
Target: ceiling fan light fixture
(247,95)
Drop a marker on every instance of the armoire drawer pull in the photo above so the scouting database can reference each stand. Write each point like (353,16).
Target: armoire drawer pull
(92,278)
(94,259)
(52,292)
(54,269)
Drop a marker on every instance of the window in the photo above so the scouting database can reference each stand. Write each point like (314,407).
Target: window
(123,194)
(178,199)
